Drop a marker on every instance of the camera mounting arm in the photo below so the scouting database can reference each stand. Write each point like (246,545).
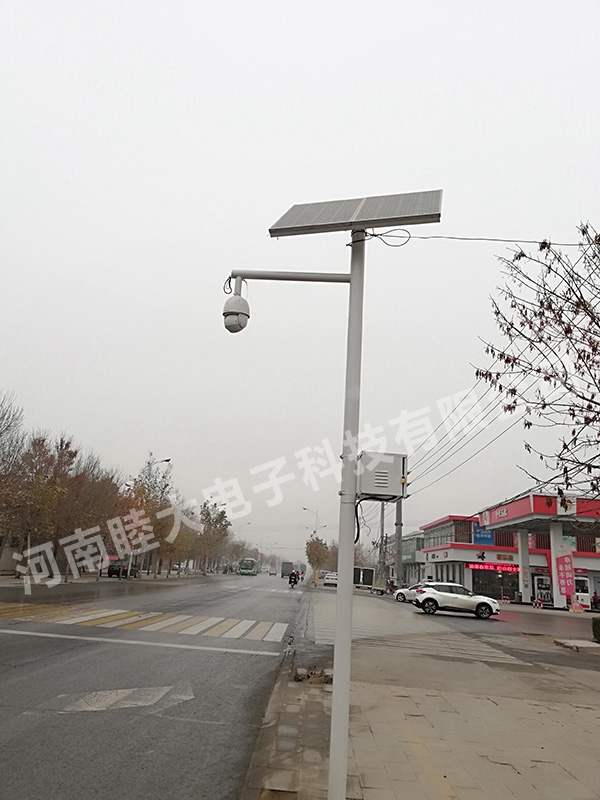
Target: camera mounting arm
(236,312)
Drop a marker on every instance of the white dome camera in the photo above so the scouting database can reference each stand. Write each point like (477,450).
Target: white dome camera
(236,313)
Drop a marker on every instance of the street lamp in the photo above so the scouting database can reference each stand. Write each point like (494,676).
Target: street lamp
(340,215)
(316,513)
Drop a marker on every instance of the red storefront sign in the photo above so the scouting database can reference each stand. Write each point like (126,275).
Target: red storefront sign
(494,567)
(566,575)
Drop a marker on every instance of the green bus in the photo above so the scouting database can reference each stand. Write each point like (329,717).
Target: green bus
(248,566)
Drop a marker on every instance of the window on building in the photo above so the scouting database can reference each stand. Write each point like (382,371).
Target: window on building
(504,539)
(586,544)
(542,541)
(463,531)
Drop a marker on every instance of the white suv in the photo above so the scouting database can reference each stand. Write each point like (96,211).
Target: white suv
(407,595)
(454,597)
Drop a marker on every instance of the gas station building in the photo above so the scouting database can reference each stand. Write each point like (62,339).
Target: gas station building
(532,548)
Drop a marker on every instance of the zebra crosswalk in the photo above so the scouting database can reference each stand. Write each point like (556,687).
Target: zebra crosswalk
(453,645)
(402,630)
(153,621)
(235,587)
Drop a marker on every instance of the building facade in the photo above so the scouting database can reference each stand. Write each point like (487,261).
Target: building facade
(520,558)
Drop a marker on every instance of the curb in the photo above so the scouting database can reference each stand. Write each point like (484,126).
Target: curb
(579,645)
(268,729)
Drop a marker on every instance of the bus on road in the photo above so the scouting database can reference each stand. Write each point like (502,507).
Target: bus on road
(248,566)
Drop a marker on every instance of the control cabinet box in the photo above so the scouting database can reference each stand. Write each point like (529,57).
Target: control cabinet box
(381,476)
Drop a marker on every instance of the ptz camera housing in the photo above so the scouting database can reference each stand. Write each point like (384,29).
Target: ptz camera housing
(236,313)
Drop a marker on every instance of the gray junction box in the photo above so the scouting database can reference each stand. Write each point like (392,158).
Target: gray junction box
(381,476)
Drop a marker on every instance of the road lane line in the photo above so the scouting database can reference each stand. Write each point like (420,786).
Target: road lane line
(202,626)
(110,617)
(276,633)
(259,632)
(188,623)
(219,630)
(108,640)
(87,617)
(157,626)
(132,626)
(240,628)
(66,612)
(149,615)
(23,611)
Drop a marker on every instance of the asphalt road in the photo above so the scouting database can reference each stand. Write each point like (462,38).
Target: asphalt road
(89,708)
(515,619)
(522,632)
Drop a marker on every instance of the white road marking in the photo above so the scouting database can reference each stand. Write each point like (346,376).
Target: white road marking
(138,618)
(276,633)
(162,696)
(142,643)
(164,623)
(202,626)
(240,628)
(101,701)
(95,615)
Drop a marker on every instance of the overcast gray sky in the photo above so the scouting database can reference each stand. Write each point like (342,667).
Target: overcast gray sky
(146,147)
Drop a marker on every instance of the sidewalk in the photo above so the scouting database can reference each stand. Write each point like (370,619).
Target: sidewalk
(477,728)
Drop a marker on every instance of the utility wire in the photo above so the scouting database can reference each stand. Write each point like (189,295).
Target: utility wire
(462,463)
(449,431)
(481,449)
(406,236)
(457,446)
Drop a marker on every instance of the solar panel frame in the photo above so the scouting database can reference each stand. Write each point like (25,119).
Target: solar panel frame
(413,208)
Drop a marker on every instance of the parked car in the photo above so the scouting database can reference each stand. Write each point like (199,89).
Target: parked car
(454,597)
(331,579)
(407,594)
(114,570)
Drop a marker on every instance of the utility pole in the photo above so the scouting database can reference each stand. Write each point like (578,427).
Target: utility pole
(381,561)
(398,555)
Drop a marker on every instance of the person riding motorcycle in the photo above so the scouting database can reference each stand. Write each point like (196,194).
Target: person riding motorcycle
(293,579)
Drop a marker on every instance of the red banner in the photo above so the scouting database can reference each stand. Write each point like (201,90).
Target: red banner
(566,575)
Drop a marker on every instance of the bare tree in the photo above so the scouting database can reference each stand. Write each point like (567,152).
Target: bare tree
(11,446)
(548,367)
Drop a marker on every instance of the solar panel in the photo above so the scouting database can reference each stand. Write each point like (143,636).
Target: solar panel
(414,208)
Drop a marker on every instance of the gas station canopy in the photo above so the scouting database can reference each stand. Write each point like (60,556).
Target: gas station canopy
(535,512)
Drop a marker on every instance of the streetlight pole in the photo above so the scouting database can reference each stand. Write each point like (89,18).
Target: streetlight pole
(338,747)
(316,513)
(355,215)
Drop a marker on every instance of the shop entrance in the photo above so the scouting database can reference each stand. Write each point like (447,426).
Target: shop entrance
(496,584)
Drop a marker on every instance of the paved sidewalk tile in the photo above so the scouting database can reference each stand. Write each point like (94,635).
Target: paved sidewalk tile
(409,756)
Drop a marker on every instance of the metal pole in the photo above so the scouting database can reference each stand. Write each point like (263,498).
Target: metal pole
(263,275)
(381,560)
(338,747)
(398,555)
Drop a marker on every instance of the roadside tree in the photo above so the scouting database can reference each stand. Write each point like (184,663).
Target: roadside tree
(215,533)
(548,367)
(317,553)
